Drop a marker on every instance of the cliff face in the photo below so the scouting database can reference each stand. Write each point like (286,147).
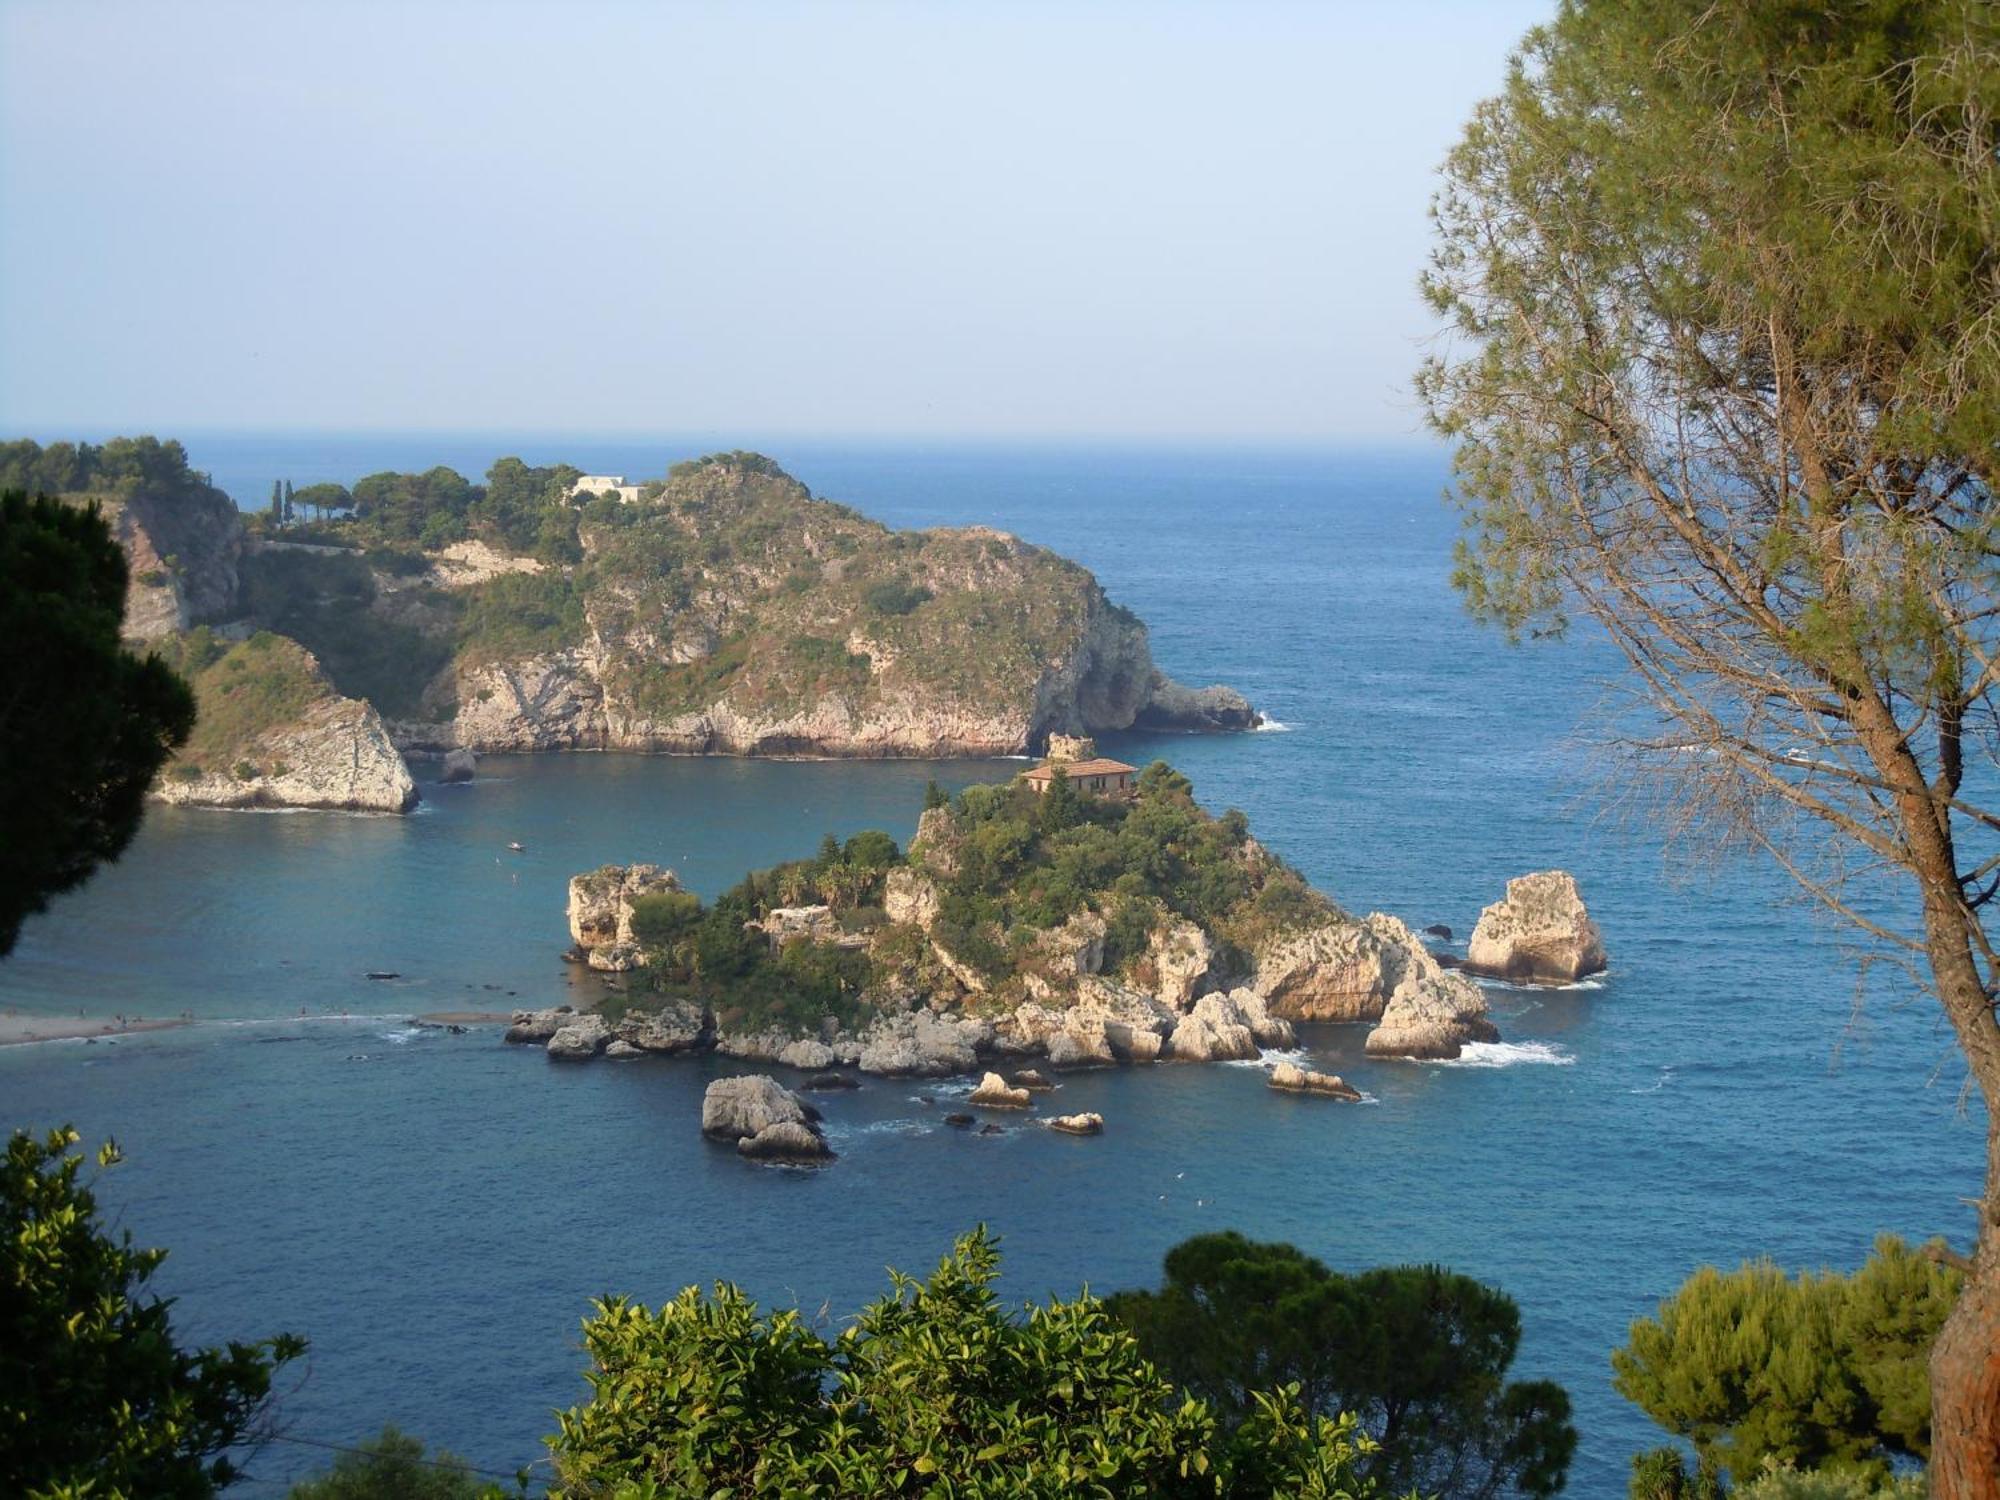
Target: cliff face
(270,731)
(182,553)
(735,614)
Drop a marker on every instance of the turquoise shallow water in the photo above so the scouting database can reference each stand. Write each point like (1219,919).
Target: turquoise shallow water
(435,1211)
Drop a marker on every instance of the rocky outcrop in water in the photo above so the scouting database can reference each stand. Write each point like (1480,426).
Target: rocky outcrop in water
(994,1092)
(600,913)
(1540,933)
(1290,1078)
(459,764)
(1088,1123)
(767,1121)
(1432,1012)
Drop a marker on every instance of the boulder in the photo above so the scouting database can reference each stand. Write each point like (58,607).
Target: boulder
(994,1093)
(1214,1031)
(1540,933)
(678,1027)
(1180,954)
(580,1037)
(1329,972)
(815,924)
(1432,1013)
(959,1121)
(1033,1082)
(923,1043)
(786,1141)
(1269,1030)
(1083,1124)
(766,1046)
(618,1047)
(1133,1024)
(1294,1079)
(538,1025)
(459,765)
(737,1108)
(806,1053)
(600,912)
(1439,931)
(1066,1049)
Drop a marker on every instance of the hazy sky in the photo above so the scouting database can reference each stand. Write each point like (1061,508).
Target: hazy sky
(994,220)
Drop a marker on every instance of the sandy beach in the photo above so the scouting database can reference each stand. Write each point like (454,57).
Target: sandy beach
(16,1029)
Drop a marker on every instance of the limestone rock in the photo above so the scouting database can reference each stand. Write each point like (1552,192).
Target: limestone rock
(1291,1078)
(829,1083)
(1172,706)
(1033,1082)
(619,1048)
(1180,953)
(816,924)
(181,556)
(1067,748)
(460,764)
(786,1141)
(910,896)
(740,1108)
(806,1053)
(923,1043)
(1330,972)
(600,912)
(538,1025)
(1072,950)
(1539,933)
(1067,1049)
(678,1027)
(994,1093)
(1089,1123)
(1431,1013)
(1267,1029)
(1214,1031)
(765,1046)
(580,1037)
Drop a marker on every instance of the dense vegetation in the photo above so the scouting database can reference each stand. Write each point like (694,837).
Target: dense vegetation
(1013,864)
(933,1391)
(116,470)
(96,1398)
(519,509)
(84,723)
(1418,1355)
(1819,1371)
(708,955)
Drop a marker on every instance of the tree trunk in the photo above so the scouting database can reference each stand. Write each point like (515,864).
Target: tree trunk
(1965,1367)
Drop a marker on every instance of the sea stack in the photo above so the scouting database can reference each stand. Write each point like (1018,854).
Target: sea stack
(1540,934)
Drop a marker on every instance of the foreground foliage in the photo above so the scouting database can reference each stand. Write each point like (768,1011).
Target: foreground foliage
(1418,1355)
(96,1399)
(935,1390)
(1818,1371)
(84,723)
(394,1466)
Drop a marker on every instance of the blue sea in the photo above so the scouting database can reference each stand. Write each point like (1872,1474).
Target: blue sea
(435,1212)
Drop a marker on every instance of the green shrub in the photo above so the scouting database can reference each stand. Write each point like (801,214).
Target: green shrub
(1821,1370)
(897,597)
(394,1466)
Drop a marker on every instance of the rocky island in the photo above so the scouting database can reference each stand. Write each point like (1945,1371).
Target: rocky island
(723,609)
(1083,928)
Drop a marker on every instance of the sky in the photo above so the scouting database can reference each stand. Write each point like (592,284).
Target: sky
(1159,221)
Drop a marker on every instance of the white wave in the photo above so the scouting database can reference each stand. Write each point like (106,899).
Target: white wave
(1507,1055)
(1273,726)
(1270,1058)
(880,1127)
(1594,982)
(1666,1077)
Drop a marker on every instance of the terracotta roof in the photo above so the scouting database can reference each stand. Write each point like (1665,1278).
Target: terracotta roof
(1076,768)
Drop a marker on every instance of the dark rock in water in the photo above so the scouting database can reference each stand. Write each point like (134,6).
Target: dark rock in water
(1438,930)
(826,1083)
(925,1099)
(1029,1079)
(963,1122)
(383,974)
(1448,960)
(459,765)
(993,1130)
(456,1030)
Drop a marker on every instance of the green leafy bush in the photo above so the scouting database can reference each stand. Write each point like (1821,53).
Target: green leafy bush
(897,597)
(97,1396)
(935,1390)
(394,1466)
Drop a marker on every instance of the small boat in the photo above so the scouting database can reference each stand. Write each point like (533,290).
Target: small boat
(518,848)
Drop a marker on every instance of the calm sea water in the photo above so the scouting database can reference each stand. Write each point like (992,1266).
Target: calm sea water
(436,1211)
